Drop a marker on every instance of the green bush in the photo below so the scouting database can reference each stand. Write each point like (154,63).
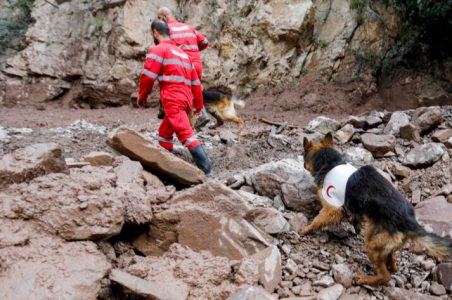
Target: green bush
(14,25)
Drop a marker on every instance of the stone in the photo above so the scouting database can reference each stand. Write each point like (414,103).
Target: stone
(397,120)
(410,132)
(323,125)
(342,274)
(416,196)
(379,145)
(235,181)
(268,262)
(134,145)
(151,181)
(291,266)
(298,221)
(400,171)
(286,178)
(444,275)
(434,214)
(99,158)
(423,155)
(206,217)
(331,293)
(448,144)
(442,135)
(251,293)
(344,134)
(30,162)
(325,281)
(149,289)
(357,122)
(81,205)
(372,121)
(427,119)
(268,220)
(255,200)
(47,267)
(437,289)
(358,156)
(394,293)
(130,183)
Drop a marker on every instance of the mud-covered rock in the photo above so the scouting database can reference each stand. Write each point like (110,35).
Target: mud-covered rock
(268,220)
(30,162)
(47,267)
(134,145)
(77,206)
(207,217)
(287,179)
(423,155)
(379,145)
(434,214)
(148,289)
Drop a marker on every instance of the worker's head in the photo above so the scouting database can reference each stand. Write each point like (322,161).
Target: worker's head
(159,31)
(164,14)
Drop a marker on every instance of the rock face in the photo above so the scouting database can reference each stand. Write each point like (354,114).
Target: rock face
(379,145)
(153,157)
(149,289)
(103,45)
(207,217)
(49,268)
(434,214)
(423,155)
(79,206)
(287,179)
(27,163)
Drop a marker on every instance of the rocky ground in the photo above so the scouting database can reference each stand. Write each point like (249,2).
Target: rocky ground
(83,225)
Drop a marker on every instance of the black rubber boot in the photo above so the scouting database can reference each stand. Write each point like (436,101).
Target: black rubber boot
(201,159)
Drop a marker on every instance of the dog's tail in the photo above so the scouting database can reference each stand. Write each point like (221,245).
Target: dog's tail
(439,247)
(238,102)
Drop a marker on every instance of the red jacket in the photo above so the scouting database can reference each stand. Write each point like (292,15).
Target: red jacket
(188,39)
(178,80)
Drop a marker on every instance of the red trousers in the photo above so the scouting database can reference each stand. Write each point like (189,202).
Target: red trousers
(176,121)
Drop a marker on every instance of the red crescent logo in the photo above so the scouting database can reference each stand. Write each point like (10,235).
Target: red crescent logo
(328,190)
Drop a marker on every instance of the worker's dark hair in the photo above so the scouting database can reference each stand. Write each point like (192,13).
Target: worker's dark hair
(161,27)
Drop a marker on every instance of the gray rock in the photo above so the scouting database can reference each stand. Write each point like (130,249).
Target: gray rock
(342,274)
(344,134)
(423,155)
(394,293)
(268,220)
(442,135)
(291,266)
(331,293)
(373,121)
(298,221)
(358,156)
(444,274)
(149,289)
(323,125)
(398,119)
(379,145)
(437,289)
(325,281)
(434,214)
(287,179)
(251,293)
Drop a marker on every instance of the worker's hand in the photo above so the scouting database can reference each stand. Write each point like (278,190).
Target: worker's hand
(141,103)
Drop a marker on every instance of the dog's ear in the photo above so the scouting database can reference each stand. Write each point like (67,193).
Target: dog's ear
(307,144)
(328,140)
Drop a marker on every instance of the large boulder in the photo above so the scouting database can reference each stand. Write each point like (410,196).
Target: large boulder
(153,157)
(30,162)
(149,289)
(207,217)
(379,145)
(423,155)
(47,267)
(397,120)
(77,206)
(286,178)
(435,215)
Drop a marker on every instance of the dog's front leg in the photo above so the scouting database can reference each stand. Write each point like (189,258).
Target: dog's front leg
(328,215)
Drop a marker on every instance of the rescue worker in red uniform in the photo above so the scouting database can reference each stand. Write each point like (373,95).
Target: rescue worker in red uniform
(189,40)
(180,92)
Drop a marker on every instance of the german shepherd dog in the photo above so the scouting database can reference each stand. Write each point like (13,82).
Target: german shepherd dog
(220,106)
(389,219)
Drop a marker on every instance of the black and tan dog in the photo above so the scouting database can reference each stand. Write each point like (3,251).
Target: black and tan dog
(389,219)
(220,106)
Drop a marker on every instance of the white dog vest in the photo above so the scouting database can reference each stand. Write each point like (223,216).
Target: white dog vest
(334,184)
